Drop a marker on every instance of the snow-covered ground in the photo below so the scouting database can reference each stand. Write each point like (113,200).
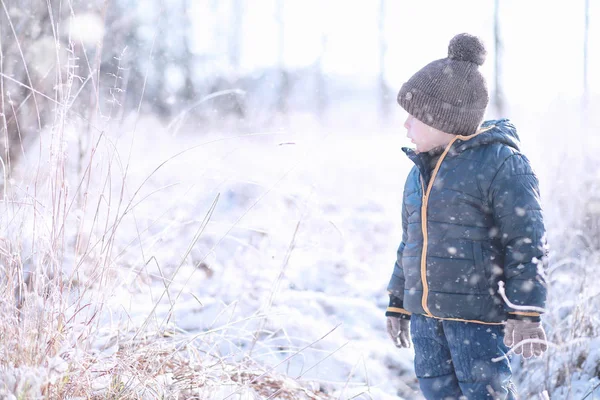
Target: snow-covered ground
(304,233)
(275,248)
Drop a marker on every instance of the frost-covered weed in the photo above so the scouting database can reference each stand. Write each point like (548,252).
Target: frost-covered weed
(571,198)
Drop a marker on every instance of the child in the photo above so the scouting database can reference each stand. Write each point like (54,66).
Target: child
(471,219)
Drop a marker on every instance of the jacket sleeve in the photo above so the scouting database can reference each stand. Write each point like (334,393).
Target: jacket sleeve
(516,207)
(396,285)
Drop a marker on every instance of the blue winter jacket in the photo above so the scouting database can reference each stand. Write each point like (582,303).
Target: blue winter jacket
(471,218)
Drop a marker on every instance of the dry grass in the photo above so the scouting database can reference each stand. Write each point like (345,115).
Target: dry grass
(572,214)
(59,266)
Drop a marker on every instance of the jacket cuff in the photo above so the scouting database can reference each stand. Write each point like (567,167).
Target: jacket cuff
(525,316)
(396,309)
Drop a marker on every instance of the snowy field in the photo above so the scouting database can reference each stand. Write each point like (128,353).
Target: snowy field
(146,260)
(266,252)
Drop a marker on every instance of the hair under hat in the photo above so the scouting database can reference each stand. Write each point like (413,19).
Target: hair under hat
(450,94)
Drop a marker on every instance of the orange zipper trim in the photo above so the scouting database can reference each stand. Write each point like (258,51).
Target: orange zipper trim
(526,313)
(399,310)
(426,195)
(467,320)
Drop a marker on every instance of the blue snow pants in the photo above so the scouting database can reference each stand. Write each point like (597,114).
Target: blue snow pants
(453,360)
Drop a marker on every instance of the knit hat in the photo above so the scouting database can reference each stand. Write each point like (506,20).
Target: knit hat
(450,94)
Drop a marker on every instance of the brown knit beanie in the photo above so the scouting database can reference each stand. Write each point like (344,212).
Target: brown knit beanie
(450,94)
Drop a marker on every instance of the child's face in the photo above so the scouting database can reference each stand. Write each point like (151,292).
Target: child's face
(424,137)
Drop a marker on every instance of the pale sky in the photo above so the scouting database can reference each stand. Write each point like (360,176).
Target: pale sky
(543,41)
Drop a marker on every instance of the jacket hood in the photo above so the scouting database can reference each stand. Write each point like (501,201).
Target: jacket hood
(494,131)
(498,131)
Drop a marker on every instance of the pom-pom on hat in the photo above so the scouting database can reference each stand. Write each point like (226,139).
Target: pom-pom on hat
(450,94)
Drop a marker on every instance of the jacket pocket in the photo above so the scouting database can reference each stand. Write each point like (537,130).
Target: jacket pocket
(481,276)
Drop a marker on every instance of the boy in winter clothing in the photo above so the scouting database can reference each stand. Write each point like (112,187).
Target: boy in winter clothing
(471,219)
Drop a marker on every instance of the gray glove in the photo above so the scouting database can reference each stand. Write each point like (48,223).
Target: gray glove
(399,331)
(516,331)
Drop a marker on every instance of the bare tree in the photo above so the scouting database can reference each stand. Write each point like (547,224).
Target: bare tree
(187,58)
(284,84)
(384,106)
(158,91)
(30,63)
(586,33)
(48,68)
(320,78)
(498,99)
(235,39)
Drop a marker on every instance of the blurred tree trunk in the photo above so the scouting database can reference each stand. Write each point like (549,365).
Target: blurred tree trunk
(220,32)
(384,98)
(30,66)
(586,33)
(498,99)
(157,93)
(284,84)
(321,84)
(187,58)
(235,39)
(95,106)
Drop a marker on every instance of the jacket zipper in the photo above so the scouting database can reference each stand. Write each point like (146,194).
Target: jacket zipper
(426,194)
